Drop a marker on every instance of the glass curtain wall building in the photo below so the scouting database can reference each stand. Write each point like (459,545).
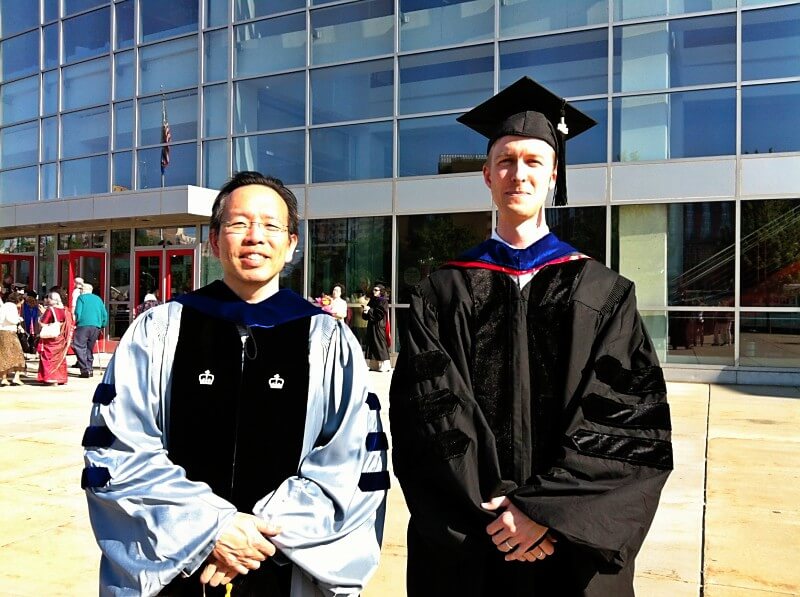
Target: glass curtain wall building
(119,118)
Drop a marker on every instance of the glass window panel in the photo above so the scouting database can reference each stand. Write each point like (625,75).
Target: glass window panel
(582,227)
(769,339)
(120,264)
(50,9)
(73,6)
(446,80)
(19,56)
(119,316)
(85,84)
(279,154)
(50,92)
(84,177)
(181,114)
(123,75)
(217,12)
(636,9)
(590,147)
(170,65)
(125,21)
(269,103)
(354,30)
(244,10)
(770,118)
(569,64)
(161,19)
(215,163)
(431,23)
(47,262)
(291,275)
(770,253)
(675,53)
(521,17)
(87,35)
(147,237)
(122,175)
(355,152)
(356,252)
(182,168)
(283,39)
(19,186)
(19,145)
(123,125)
(215,106)
(84,133)
(50,40)
(688,337)
(675,125)
(425,242)
(438,145)
(352,92)
(49,139)
(16,16)
(216,50)
(49,181)
(771,43)
(19,100)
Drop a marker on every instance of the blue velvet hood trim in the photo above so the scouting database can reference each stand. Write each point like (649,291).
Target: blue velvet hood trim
(493,254)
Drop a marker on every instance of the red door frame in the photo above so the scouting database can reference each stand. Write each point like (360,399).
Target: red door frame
(12,258)
(135,300)
(73,258)
(168,270)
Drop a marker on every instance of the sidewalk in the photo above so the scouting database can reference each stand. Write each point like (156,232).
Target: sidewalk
(729,522)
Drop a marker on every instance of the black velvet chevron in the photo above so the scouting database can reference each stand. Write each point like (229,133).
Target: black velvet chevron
(646,415)
(643,381)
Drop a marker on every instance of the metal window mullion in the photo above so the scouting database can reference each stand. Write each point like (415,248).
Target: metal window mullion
(135,131)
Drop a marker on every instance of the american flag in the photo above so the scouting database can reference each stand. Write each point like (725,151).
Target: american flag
(166,137)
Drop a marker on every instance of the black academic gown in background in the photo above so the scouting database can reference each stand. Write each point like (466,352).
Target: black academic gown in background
(376,340)
(552,395)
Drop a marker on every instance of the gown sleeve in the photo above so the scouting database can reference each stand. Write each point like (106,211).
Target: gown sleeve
(331,513)
(150,521)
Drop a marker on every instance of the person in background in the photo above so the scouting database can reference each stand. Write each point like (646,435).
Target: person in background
(150,301)
(12,360)
(376,313)
(53,351)
(90,317)
(30,316)
(338,305)
(77,290)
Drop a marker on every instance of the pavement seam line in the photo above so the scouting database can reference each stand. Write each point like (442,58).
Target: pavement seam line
(705,496)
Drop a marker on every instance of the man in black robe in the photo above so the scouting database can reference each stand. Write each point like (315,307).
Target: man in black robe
(528,409)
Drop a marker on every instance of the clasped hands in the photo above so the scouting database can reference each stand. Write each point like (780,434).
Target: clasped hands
(516,535)
(241,547)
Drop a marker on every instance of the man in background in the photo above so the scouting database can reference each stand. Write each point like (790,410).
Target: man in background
(90,317)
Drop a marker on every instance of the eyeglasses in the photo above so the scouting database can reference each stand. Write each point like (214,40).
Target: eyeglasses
(242,226)
(376,290)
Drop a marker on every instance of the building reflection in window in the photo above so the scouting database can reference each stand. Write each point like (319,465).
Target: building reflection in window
(692,337)
(582,227)
(769,339)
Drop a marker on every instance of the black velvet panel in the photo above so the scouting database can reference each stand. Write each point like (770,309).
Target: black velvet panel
(97,437)
(104,394)
(94,477)
(373,402)
(377,441)
(435,405)
(377,481)
(635,450)
(646,415)
(430,364)
(450,444)
(647,380)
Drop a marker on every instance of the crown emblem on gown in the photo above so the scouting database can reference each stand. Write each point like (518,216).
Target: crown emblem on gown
(276,382)
(206,378)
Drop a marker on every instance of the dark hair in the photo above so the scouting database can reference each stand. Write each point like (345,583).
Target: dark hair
(340,285)
(16,298)
(245,178)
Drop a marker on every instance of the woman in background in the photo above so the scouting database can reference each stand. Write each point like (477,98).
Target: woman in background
(11,358)
(53,351)
(376,313)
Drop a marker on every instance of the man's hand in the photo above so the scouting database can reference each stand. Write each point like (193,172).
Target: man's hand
(241,547)
(514,533)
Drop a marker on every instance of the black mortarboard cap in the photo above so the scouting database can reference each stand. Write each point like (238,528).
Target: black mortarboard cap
(526,109)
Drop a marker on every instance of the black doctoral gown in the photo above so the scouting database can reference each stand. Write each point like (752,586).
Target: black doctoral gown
(376,340)
(550,394)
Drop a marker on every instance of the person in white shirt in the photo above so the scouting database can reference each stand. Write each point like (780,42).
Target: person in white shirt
(12,360)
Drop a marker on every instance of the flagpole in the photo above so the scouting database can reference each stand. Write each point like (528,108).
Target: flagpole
(163,125)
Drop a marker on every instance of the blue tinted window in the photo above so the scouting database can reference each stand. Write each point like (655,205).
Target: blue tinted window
(84,133)
(217,12)
(771,43)
(569,64)
(19,186)
(770,118)
(19,145)
(446,80)
(85,84)
(270,103)
(181,170)
(122,171)
(278,154)
(352,92)
(216,50)
(166,66)
(50,92)
(19,56)
(590,147)
(520,17)
(50,9)
(354,152)
(438,145)
(181,113)
(50,56)
(355,30)
(16,16)
(49,181)
(123,75)
(635,9)
(124,24)
(244,10)
(215,163)
(73,6)
(123,125)
(19,100)
(431,23)
(84,177)
(50,139)
(676,125)
(87,35)
(283,39)
(161,19)
(675,53)
(215,107)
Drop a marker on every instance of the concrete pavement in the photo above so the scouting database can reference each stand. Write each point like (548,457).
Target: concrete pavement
(728,525)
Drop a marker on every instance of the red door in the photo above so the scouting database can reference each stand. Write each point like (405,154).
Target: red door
(89,265)
(166,273)
(19,267)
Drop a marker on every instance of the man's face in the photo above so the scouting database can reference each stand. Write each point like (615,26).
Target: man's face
(519,172)
(253,258)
